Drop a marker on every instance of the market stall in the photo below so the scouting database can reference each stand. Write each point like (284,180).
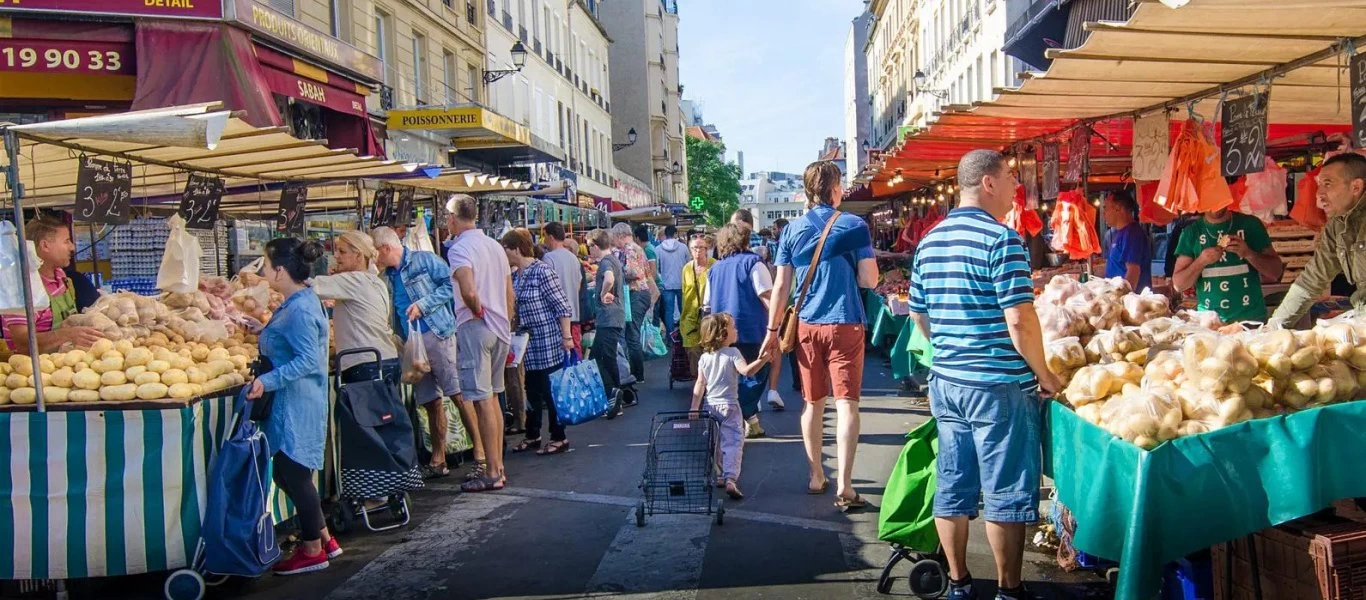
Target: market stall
(138,415)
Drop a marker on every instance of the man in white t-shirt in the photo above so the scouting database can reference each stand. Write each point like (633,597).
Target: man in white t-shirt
(483,331)
(567,266)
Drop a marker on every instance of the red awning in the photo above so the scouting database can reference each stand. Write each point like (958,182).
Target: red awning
(187,62)
(296,79)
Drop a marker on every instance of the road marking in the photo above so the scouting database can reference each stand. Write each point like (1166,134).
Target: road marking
(662,559)
(631,501)
(414,568)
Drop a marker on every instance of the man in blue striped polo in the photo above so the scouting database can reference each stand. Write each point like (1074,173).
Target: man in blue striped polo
(972,294)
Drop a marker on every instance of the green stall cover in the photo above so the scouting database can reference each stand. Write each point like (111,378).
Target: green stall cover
(911,347)
(1146,509)
(907,513)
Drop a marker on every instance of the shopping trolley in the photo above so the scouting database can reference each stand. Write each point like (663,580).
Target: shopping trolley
(680,466)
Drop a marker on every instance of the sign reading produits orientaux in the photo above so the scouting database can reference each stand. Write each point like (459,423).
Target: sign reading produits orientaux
(172,9)
(280,28)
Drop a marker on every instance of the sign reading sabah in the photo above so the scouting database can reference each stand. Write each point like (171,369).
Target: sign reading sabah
(184,9)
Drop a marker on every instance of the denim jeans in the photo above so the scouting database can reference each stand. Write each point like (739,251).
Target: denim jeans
(635,352)
(752,388)
(670,302)
(989,444)
(539,401)
(605,341)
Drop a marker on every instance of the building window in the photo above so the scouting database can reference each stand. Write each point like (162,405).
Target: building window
(284,6)
(419,67)
(335,17)
(384,35)
(449,74)
(535,20)
(471,12)
(472,77)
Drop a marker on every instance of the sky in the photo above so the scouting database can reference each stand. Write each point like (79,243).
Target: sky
(768,73)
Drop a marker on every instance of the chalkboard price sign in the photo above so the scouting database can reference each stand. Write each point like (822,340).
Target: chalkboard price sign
(103,190)
(403,215)
(290,220)
(1050,172)
(199,204)
(1358,78)
(1244,131)
(382,212)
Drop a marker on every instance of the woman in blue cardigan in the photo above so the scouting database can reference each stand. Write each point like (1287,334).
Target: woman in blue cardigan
(295,343)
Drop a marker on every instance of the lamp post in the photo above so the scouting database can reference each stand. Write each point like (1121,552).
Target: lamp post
(921,89)
(630,141)
(518,61)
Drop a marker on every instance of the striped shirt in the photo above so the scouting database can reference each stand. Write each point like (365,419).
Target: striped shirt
(967,271)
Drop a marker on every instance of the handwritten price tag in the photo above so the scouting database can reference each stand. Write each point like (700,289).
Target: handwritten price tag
(1244,135)
(199,204)
(290,219)
(1358,87)
(403,215)
(103,191)
(382,212)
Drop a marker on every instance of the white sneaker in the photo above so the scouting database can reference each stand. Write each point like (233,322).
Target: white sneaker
(775,400)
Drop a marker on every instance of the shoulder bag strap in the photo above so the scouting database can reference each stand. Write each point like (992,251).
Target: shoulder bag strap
(815,260)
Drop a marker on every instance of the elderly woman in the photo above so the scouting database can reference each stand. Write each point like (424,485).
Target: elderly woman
(543,312)
(640,279)
(361,311)
(294,344)
(694,286)
(740,284)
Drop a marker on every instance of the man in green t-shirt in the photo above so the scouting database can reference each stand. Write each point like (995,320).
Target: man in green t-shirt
(1226,256)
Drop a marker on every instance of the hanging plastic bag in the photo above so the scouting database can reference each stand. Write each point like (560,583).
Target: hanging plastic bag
(517,349)
(1073,223)
(1265,195)
(418,237)
(652,339)
(179,272)
(1191,181)
(11,287)
(1306,211)
(415,362)
(1149,212)
(1021,218)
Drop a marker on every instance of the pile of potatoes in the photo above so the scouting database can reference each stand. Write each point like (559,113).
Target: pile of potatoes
(151,368)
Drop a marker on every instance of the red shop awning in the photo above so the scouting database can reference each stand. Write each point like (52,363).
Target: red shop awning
(302,81)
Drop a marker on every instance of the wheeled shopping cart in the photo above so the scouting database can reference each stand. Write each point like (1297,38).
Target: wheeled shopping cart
(680,466)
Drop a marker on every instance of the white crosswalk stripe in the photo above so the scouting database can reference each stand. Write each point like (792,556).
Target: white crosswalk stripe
(662,560)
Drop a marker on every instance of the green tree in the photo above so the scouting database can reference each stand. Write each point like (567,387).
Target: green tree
(712,179)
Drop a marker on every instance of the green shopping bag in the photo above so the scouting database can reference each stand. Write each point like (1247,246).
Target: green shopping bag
(912,351)
(907,513)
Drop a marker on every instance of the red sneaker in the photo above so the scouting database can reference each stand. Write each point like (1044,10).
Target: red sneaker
(299,562)
(332,548)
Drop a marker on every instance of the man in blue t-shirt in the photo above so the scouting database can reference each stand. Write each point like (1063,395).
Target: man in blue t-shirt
(1131,252)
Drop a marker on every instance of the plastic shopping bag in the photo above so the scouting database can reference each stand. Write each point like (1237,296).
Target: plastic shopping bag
(577,392)
(1306,211)
(1265,195)
(517,349)
(457,439)
(652,339)
(179,272)
(11,286)
(906,516)
(415,362)
(418,237)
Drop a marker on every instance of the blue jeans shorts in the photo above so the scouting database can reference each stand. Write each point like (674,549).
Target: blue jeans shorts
(989,446)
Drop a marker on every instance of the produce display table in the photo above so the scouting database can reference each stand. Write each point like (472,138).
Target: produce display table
(108,489)
(1146,509)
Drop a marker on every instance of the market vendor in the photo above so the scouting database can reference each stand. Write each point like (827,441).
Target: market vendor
(1342,243)
(52,240)
(1131,254)
(1227,256)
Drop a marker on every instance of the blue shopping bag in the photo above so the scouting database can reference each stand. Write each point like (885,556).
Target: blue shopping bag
(577,392)
(239,533)
(652,339)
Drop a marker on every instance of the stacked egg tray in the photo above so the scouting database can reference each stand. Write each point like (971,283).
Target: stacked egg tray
(137,248)
(214,242)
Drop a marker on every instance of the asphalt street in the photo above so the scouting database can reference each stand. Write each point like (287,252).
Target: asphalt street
(565,525)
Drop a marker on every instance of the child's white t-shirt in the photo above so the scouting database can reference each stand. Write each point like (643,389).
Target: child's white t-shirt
(721,371)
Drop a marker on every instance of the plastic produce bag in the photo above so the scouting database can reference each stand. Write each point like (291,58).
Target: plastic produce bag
(418,238)
(1021,218)
(179,270)
(1265,195)
(1191,181)
(415,362)
(578,392)
(906,516)
(652,339)
(1074,226)
(11,287)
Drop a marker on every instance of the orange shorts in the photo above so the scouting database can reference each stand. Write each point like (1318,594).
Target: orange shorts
(830,358)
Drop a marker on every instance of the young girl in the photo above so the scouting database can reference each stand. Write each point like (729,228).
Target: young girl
(718,379)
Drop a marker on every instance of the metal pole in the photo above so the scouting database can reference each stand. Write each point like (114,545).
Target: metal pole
(360,205)
(17,192)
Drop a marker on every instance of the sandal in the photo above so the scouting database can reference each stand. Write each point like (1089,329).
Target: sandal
(483,484)
(478,471)
(513,430)
(527,445)
(850,504)
(816,491)
(733,491)
(435,471)
(554,447)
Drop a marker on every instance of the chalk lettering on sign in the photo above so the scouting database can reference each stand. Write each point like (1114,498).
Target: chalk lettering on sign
(103,191)
(290,218)
(382,213)
(1358,86)
(200,202)
(1244,135)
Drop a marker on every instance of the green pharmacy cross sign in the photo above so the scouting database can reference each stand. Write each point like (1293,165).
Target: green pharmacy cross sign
(695,203)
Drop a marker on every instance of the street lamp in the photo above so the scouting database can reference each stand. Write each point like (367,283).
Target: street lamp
(630,141)
(518,61)
(921,89)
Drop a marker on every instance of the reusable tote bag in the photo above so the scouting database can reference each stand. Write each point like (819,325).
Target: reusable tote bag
(907,513)
(577,391)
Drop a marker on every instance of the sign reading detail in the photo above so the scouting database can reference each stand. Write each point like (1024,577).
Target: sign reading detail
(103,189)
(1358,87)
(1049,185)
(290,219)
(1244,135)
(184,9)
(199,204)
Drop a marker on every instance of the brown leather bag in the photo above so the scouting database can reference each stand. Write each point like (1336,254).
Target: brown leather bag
(787,338)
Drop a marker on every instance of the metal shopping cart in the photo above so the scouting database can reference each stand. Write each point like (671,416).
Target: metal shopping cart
(680,466)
